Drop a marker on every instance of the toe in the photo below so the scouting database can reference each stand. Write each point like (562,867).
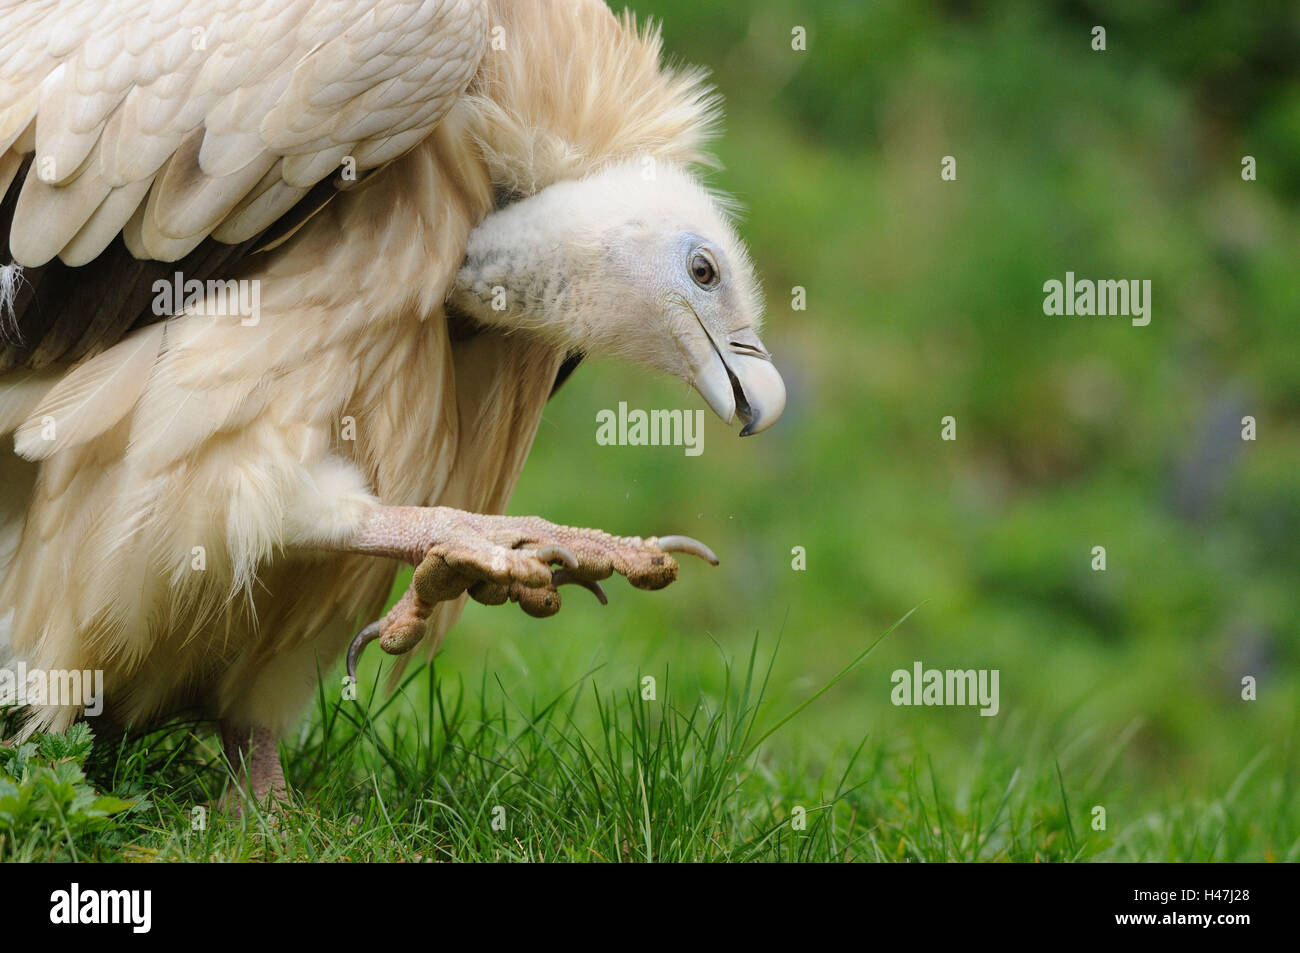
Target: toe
(648,568)
(437,579)
(539,603)
(489,593)
(405,625)
(528,570)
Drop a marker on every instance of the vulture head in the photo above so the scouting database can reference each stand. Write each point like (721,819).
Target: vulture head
(636,262)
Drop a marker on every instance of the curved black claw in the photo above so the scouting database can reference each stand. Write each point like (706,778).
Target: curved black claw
(562,577)
(363,638)
(686,544)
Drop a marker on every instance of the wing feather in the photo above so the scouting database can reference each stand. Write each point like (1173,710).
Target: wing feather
(91,398)
(200,100)
(105,223)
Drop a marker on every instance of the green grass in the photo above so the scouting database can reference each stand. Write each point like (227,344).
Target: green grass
(445,770)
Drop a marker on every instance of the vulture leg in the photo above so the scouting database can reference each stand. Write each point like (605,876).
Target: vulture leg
(498,559)
(253,757)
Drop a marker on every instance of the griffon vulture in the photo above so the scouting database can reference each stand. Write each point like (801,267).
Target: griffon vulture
(436,209)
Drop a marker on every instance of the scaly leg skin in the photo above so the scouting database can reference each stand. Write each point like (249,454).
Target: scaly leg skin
(497,559)
(255,761)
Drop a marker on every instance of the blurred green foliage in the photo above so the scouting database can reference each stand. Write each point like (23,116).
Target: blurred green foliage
(925,300)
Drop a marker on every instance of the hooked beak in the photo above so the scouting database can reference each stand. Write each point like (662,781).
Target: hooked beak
(736,376)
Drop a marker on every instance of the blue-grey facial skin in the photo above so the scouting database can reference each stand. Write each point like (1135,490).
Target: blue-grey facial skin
(725,312)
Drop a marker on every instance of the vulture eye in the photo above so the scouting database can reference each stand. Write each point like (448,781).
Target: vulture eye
(703,270)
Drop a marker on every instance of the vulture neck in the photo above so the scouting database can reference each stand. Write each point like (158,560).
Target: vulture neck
(541,266)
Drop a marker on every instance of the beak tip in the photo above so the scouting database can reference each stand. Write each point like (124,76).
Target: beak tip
(739,383)
(756,425)
(760,399)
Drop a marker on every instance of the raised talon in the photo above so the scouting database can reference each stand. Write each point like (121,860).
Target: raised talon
(497,559)
(564,577)
(687,544)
